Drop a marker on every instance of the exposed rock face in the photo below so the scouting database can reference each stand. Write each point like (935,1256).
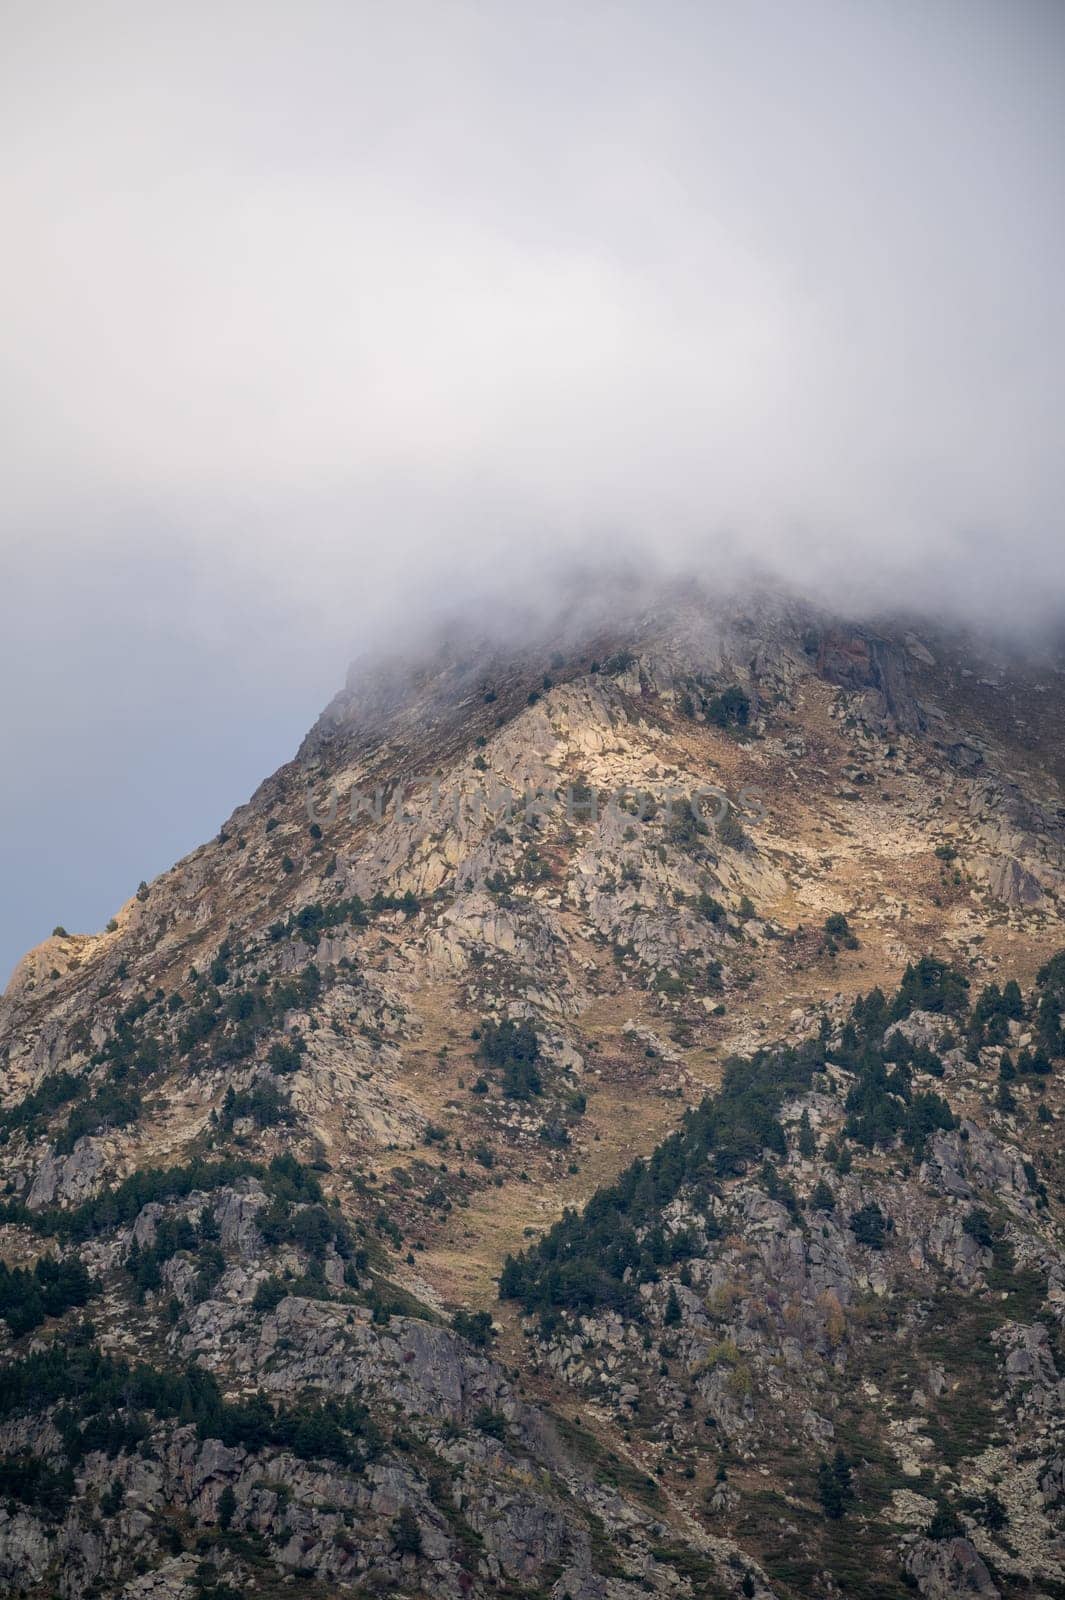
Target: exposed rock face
(1014,884)
(950,1569)
(69,1178)
(876,670)
(277,1136)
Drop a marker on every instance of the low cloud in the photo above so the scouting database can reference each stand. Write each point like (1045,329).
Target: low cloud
(323,321)
(343,301)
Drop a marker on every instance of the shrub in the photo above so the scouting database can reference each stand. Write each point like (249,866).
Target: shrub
(730,830)
(730,709)
(993,1513)
(686,828)
(284,1055)
(835,1488)
(493,1423)
(977,1224)
(515,1047)
(112,1498)
(946,1524)
(838,928)
(869,1226)
(476,1326)
(269,1294)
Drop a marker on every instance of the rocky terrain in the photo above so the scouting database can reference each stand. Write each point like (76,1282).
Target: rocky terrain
(588,1127)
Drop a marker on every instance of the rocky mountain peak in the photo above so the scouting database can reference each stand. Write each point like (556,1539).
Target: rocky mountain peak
(586,1127)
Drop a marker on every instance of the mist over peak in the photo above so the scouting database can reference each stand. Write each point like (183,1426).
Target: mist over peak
(324,327)
(323,301)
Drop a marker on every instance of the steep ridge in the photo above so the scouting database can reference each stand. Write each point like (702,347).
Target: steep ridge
(766,899)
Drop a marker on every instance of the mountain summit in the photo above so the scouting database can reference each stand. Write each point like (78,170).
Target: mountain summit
(587,1127)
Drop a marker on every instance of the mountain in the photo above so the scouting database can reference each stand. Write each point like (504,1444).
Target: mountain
(588,1127)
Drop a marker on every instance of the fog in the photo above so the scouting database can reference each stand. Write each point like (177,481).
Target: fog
(321,320)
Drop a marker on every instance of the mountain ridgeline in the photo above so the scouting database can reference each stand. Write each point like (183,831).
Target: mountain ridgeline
(589,1127)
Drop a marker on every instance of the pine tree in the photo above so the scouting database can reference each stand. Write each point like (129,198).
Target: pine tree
(406,1534)
(227,1505)
(834,1487)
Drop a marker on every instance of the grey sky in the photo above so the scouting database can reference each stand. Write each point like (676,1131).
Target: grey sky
(318,315)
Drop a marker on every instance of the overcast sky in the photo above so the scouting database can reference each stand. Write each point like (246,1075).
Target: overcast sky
(316,316)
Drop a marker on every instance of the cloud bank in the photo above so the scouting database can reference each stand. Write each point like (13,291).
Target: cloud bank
(335,299)
(321,319)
